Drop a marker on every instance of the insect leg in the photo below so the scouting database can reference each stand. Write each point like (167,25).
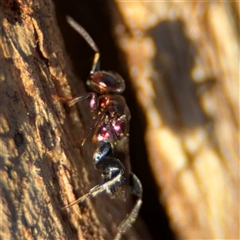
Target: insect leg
(113,176)
(136,189)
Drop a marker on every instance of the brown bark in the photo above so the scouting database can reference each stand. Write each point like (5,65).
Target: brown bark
(183,59)
(43,166)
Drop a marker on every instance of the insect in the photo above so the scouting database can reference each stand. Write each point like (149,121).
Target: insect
(110,124)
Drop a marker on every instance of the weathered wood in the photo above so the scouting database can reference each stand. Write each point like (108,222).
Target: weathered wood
(43,166)
(184,63)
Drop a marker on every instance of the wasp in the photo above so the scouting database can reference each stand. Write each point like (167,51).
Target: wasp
(109,125)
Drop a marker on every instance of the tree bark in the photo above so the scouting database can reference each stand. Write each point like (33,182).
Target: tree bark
(43,167)
(183,63)
(183,59)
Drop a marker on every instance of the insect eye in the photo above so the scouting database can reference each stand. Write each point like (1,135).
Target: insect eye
(106,82)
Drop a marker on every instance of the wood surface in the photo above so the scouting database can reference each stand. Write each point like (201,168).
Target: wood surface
(43,166)
(180,61)
(183,60)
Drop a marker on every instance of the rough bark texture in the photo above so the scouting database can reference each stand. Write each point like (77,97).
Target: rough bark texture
(180,61)
(43,167)
(183,59)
